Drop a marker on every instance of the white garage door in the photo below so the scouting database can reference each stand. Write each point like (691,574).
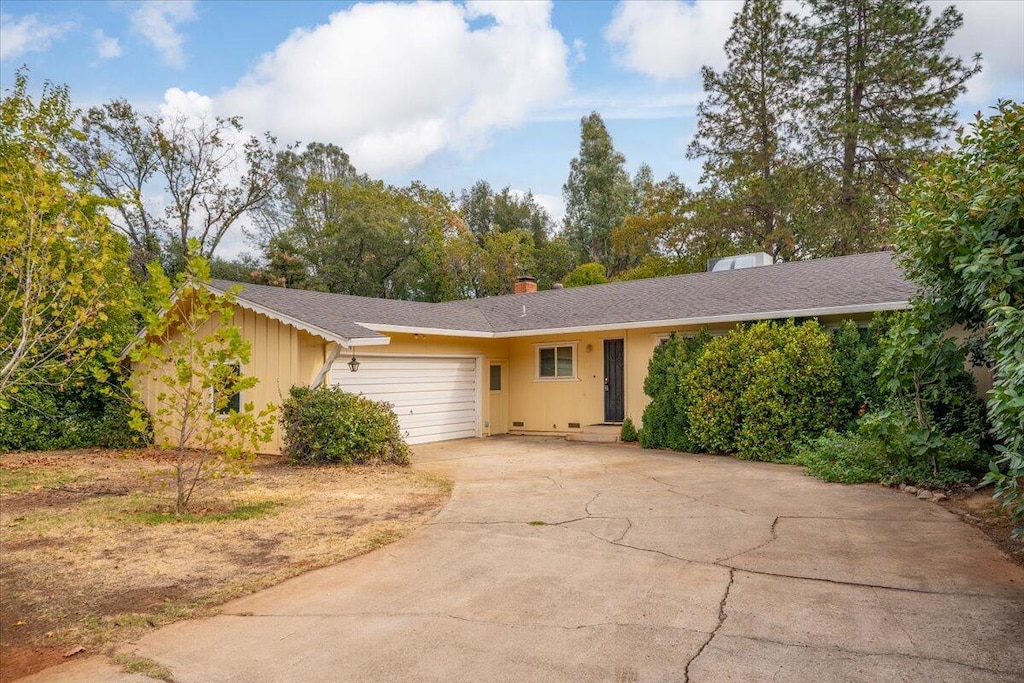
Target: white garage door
(435,398)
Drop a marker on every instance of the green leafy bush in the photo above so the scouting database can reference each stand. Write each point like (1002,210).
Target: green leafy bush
(961,240)
(328,425)
(666,421)
(42,418)
(628,433)
(759,390)
(855,353)
(889,447)
(843,458)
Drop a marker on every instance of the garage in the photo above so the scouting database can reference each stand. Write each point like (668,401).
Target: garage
(436,399)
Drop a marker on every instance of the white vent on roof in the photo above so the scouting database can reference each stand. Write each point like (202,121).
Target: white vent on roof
(717,265)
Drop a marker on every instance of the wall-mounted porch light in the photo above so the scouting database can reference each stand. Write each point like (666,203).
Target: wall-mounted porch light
(353,364)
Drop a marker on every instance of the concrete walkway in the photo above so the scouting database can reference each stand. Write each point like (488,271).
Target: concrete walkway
(560,561)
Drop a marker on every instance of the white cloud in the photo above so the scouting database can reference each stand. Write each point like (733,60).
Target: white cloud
(157,21)
(20,35)
(995,28)
(552,203)
(670,39)
(579,51)
(394,83)
(107,47)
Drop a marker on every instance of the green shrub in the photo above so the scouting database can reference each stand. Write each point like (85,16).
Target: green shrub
(42,418)
(328,425)
(843,458)
(666,422)
(855,354)
(889,447)
(759,390)
(628,433)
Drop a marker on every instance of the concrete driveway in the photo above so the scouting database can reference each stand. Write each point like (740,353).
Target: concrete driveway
(559,561)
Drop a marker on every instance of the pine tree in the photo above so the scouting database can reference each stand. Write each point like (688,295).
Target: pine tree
(747,128)
(598,194)
(880,94)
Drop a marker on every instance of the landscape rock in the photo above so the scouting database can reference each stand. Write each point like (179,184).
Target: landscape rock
(938,495)
(924,494)
(910,489)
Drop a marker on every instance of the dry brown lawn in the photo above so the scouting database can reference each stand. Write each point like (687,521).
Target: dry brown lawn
(88,559)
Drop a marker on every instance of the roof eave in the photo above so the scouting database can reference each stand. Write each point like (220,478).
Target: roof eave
(852,309)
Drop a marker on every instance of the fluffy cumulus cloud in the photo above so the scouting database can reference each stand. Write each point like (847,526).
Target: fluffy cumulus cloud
(107,47)
(20,35)
(995,28)
(396,83)
(157,21)
(670,39)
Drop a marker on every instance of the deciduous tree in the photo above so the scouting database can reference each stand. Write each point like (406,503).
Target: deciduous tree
(207,171)
(64,282)
(192,363)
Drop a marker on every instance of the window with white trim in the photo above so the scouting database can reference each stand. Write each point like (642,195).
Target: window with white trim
(556,361)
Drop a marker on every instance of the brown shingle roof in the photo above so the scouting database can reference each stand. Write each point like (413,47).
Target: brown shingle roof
(862,282)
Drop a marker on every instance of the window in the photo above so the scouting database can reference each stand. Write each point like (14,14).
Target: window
(556,362)
(233,403)
(495,378)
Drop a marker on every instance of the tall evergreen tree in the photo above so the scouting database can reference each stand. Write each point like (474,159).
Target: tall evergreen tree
(880,93)
(598,193)
(747,128)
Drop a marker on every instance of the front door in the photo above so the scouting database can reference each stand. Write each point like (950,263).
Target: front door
(614,389)
(498,414)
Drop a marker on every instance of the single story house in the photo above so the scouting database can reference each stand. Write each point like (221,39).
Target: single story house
(551,362)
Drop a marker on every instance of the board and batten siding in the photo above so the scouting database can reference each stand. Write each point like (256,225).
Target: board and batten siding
(281,357)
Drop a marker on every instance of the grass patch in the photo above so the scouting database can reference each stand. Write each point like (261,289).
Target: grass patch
(18,479)
(537,522)
(136,664)
(241,512)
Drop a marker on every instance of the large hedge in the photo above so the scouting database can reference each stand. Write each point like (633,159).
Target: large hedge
(328,425)
(665,421)
(44,418)
(758,390)
(755,391)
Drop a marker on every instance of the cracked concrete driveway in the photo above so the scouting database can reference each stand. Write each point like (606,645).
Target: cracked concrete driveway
(559,561)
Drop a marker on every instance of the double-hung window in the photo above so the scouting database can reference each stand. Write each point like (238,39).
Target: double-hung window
(556,361)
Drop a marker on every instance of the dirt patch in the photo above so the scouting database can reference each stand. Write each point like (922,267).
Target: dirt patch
(88,560)
(978,509)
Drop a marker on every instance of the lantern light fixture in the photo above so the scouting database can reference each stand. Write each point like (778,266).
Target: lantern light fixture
(353,364)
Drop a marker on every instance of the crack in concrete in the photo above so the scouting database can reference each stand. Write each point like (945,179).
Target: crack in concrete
(721,620)
(774,537)
(586,507)
(717,563)
(552,479)
(855,584)
(871,653)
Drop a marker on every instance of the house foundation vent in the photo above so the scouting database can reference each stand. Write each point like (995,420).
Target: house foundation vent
(517,424)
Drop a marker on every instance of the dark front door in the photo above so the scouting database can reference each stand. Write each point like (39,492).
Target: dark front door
(614,389)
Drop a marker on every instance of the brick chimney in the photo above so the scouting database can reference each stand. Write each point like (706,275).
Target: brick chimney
(525,284)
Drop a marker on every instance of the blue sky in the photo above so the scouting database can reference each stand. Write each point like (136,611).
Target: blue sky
(446,93)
